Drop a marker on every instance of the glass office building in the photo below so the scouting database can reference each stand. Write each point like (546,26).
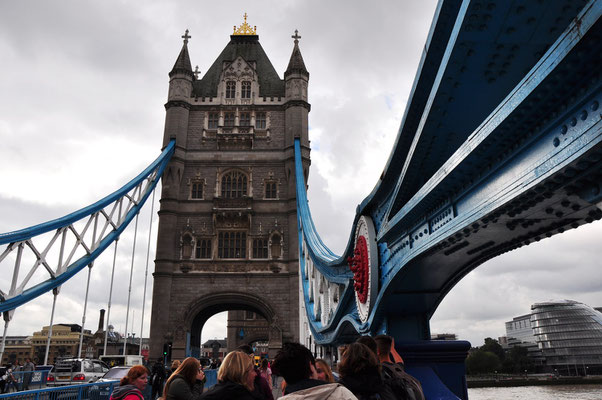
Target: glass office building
(569,336)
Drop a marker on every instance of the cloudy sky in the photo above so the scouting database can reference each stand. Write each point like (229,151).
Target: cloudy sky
(82,89)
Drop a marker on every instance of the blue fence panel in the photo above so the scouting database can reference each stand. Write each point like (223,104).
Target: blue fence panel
(37,380)
(87,391)
(211,375)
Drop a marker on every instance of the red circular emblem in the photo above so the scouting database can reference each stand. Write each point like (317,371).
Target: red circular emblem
(360,266)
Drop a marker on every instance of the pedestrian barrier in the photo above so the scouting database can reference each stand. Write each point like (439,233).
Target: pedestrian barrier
(86,391)
(37,380)
(211,375)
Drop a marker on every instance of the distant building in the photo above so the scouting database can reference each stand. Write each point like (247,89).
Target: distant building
(64,342)
(562,336)
(16,348)
(215,349)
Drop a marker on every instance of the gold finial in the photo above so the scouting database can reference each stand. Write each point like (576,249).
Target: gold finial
(245,29)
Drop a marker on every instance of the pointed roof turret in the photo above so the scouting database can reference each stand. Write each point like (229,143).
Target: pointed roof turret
(183,62)
(296,64)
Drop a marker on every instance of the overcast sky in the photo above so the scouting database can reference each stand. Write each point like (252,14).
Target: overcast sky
(82,89)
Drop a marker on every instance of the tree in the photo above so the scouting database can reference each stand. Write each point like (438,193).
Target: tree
(493,346)
(517,360)
(482,362)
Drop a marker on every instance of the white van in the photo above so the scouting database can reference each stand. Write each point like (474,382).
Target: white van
(122,361)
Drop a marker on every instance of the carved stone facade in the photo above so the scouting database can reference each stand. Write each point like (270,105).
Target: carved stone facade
(228,225)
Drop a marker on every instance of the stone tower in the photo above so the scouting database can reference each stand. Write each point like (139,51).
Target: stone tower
(227,235)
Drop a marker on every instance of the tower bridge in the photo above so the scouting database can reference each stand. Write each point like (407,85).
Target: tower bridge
(499,147)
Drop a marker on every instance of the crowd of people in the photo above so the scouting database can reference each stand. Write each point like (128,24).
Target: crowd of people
(369,369)
(17,377)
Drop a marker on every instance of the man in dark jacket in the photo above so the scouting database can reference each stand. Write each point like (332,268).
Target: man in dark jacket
(158,375)
(404,385)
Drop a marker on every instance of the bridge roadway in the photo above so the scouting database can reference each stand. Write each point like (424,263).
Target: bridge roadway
(500,146)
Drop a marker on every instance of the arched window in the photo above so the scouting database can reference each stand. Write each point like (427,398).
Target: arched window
(230,89)
(276,246)
(246,90)
(186,246)
(234,185)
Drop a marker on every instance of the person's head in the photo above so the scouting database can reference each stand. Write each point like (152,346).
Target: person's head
(368,341)
(323,371)
(175,364)
(245,348)
(264,364)
(159,360)
(357,360)
(28,360)
(237,367)
(383,345)
(188,369)
(294,362)
(137,376)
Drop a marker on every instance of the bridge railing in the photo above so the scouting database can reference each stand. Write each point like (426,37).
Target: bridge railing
(87,391)
(38,380)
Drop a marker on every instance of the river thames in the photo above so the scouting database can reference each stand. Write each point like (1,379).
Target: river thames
(564,392)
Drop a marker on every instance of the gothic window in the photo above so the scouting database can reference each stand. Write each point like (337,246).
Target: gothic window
(245,119)
(271,190)
(196,190)
(260,248)
(203,248)
(246,90)
(232,244)
(229,119)
(260,121)
(234,185)
(213,121)
(186,246)
(276,246)
(230,89)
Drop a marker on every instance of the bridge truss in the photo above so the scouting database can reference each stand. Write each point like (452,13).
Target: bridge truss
(45,256)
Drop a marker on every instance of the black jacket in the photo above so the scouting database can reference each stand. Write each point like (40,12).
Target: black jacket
(368,386)
(180,389)
(227,391)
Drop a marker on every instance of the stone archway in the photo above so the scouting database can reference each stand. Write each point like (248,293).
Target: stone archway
(200,310)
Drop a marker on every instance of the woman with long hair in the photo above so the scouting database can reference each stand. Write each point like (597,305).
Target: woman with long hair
(266,372)
(360,372)
(323,371)
(186,382)
(234,379)
(132,385)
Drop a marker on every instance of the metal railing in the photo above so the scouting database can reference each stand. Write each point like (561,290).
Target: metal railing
(86,391)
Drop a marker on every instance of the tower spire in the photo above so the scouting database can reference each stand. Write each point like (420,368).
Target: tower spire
(296,64)
(183,61)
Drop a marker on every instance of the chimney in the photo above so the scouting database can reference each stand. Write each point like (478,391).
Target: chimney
(101,320)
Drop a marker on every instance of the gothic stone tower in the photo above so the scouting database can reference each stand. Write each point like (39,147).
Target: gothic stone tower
(228,222)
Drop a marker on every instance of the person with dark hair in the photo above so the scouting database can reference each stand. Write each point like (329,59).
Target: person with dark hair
(404,385)
(295,363)
(360,372)
(368,341)
(132,385)
(186,382)
(235,379)
(261,387)
(157,380)
(266,372)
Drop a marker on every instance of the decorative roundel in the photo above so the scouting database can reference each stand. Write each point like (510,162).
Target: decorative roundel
(364,265)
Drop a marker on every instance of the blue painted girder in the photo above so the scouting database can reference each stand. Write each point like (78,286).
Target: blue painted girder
(499,147)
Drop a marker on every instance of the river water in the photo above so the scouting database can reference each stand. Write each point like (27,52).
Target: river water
(568,392)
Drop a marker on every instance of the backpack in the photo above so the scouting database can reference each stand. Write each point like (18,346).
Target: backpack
(403,385)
